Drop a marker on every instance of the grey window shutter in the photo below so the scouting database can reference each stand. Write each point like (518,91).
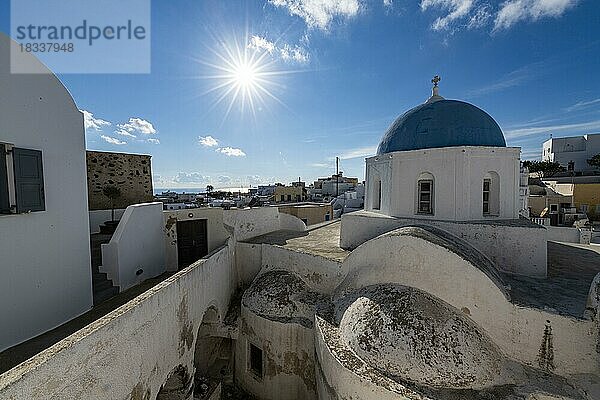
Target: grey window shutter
(29,180)
(4,199)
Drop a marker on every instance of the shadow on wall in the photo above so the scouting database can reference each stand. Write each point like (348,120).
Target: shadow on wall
(179,385)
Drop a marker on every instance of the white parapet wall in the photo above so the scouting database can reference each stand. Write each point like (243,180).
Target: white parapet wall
(99,217)
(515,246)
(136,251)
(563,234)
(129,353)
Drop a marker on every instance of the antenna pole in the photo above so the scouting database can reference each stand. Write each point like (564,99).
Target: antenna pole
(337,176)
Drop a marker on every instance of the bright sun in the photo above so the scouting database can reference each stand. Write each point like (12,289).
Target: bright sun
(244,76)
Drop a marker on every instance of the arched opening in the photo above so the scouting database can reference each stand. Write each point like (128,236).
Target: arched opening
(491,194)
(178,386)
(376,194)
(213,361)
(425,194)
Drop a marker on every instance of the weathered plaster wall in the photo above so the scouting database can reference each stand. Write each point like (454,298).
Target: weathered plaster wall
(321,274)
(251,222)
(46,273)
(312,213)
(215,230)
(136,251)
(513,246)
(277,316)
(129,353)
(291,222)
(563,234)
(288,359)
(132,173)
(248,261)
(400,257)
(99,217)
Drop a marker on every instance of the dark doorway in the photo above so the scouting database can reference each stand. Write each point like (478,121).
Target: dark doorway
(192,241)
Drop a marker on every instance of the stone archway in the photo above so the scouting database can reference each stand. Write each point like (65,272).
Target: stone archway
(178,386)
(212,355)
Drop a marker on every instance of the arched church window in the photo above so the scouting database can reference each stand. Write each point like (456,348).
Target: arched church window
(425,194)
(491,194)
(377,194)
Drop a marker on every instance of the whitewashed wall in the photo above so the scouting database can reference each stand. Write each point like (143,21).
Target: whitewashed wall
(99,217)
(288,358)
(563,234)
(518,248)
(129,353)
(217,235)
(46,273)
(251,222)
(136,251)
(519,332)
(458,181)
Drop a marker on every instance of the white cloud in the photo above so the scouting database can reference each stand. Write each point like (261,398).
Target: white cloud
(512,79)
(513,11)
(224,179)
(90,122)
(294,53)
(123,132)
(320,165)
(583,127)
(457,9)
(320,13)
(261,43)
(388,3)
(287,52)
(208,141)
(191,177)
(113,140)
(480,18)
(582,105)
(137,125)
(254,179)
(231,152)
(153,141)
(359,152)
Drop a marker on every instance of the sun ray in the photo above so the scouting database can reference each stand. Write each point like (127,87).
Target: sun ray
(244,78)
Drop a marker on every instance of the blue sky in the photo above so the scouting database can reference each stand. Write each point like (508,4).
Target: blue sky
(337,74)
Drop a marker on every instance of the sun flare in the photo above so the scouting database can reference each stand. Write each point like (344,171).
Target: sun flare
(243,77)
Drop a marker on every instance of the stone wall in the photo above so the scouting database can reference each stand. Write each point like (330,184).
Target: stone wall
(132,173)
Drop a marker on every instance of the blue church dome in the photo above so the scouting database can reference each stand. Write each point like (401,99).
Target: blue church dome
(441,123)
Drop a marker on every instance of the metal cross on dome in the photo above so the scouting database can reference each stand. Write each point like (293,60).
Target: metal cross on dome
(435,80)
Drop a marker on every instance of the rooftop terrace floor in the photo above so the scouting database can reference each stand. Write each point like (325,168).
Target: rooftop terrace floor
(571,269)
(323,241)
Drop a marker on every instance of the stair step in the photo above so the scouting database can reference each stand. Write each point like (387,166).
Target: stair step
(99,276)
(105,294)
(101,285)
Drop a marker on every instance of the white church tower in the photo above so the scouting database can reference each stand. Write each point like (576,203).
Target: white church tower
(444,160)
(445,164)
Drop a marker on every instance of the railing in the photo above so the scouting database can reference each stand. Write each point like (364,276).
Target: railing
(541,221)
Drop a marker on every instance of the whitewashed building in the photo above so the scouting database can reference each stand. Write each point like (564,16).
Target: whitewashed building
(44,229)
(438,292)
(572,152)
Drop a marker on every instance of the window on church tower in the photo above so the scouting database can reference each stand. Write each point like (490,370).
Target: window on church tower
(377,195)
(486,196)
(425,197)
(490,195)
